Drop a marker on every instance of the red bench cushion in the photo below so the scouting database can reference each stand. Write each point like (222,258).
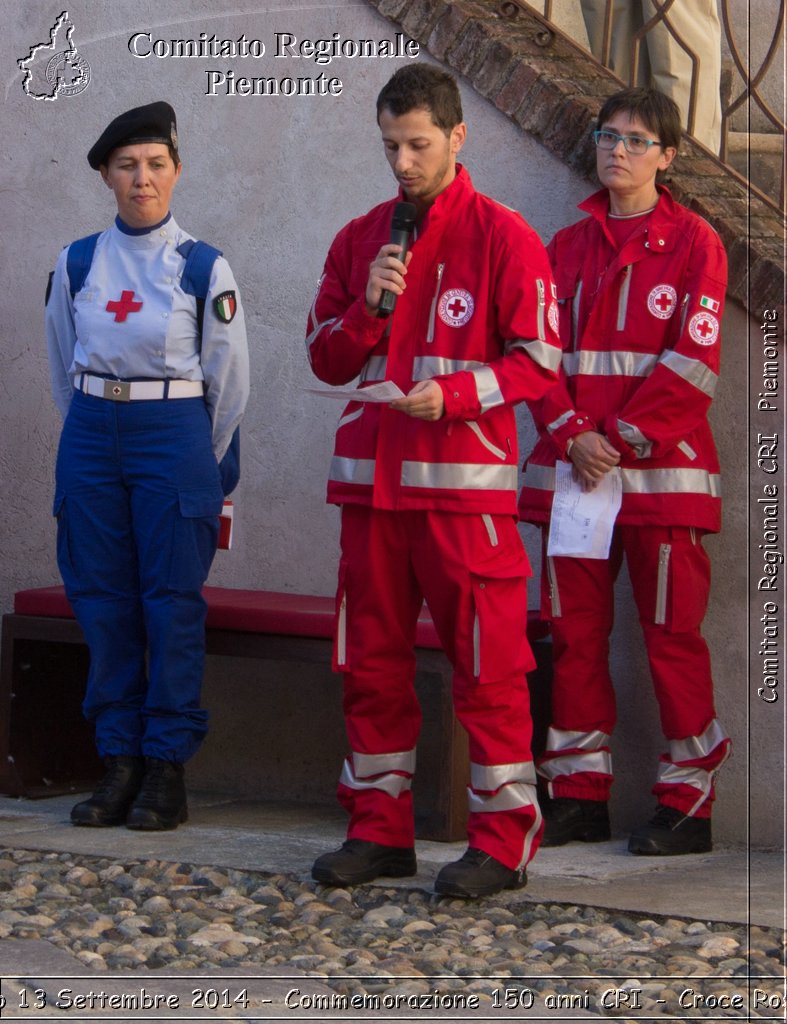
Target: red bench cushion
(254,611)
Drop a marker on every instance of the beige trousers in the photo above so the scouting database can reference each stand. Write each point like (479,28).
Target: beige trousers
(662,60)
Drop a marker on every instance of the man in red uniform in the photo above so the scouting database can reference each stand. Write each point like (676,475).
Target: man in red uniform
(640,285)
(427,487)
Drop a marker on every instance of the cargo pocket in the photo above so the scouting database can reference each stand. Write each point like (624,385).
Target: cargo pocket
(195,536)
(500,646)
(681,607)
(63,546)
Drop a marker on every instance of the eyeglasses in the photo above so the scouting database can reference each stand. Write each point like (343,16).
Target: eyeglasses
(635,144)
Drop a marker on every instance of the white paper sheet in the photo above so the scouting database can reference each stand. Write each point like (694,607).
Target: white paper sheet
(385,391)
(582,521)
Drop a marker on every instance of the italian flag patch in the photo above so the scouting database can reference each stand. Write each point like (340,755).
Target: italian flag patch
(709,303)
(226,305)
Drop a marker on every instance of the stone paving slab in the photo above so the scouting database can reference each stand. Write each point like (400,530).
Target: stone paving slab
(726,885)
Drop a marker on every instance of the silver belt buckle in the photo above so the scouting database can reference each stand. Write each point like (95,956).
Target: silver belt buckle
(117,390)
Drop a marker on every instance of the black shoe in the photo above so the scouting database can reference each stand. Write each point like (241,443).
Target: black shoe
(670,832)
(114,794)
(161,802)
(477,874)
(358,860)
(567,819)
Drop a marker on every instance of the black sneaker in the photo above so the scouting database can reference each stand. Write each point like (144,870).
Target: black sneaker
(670,832)
(359,860)
(161,802)
(477,874)
(567,819)
(114,794)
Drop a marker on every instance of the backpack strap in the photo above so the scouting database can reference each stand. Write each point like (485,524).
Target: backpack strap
(195,280)
(80,256)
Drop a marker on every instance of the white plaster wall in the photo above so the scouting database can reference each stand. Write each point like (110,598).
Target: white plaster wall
(270,181)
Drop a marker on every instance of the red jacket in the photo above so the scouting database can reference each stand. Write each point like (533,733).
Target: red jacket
(639,329)
(475,317)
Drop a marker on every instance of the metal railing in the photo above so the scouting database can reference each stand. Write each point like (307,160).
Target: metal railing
(746,86)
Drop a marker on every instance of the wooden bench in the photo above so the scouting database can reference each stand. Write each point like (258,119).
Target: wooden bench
(46,747)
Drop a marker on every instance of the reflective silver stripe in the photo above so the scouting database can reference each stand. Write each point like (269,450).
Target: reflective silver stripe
(351,471)
(490,529)
(677,775)
(558,423)
(393,785)
(376,368)
(634,437)
(509,798)
(692,370)
(541,352)
(695,747)
(565,739)
(491,777)
(600,761)
(488,388)
(530,837)
(641,481)
(623,301)
(671,481)
(616,363)
(665,550)
(366,765)
(459,476)
(349,418)
(554,592)
(687,450)
(476,428)
(433,308)
(310,338)
(426,367)
(542,305)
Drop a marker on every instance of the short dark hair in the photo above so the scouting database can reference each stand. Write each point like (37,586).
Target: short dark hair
(657,112)
(423,87)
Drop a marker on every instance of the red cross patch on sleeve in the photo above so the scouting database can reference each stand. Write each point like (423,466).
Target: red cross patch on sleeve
(704,328)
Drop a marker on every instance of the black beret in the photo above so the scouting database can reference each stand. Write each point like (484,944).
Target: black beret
(154,122)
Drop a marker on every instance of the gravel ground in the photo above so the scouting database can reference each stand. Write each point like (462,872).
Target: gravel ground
(132,916)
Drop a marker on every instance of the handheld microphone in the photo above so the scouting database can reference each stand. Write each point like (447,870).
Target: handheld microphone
(402,224)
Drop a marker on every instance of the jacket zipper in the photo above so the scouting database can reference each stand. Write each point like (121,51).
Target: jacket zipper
(684,312)
(623,301)
(542,303)
(433,310)
(554,593)
(341,632)
(661,585)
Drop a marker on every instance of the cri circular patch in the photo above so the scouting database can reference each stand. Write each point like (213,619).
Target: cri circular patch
(704,328)
(553,318)
(662,301)
(456,307)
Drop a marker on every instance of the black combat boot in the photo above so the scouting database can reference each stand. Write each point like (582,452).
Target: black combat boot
(114,794)
(359,860)
(567,819)
(477,874)
(161,802)
(670,833)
